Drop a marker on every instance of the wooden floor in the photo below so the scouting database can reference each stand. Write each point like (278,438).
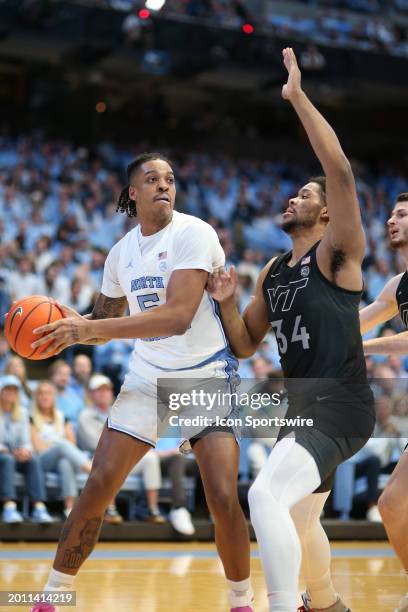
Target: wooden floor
(189,578)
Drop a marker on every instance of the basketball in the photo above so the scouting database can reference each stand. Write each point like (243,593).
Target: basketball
(25,316)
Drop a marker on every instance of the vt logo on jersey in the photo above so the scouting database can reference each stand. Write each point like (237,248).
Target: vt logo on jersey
(147,282)
(404,313)
(286,294)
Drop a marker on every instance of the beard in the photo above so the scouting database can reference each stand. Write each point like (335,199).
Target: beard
(398,243)
(294,224)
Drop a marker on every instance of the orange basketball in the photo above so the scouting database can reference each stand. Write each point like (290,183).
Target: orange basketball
(24,316)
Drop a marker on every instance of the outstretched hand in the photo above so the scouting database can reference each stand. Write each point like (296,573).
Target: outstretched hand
(222,284)
(293,86)
(73,329)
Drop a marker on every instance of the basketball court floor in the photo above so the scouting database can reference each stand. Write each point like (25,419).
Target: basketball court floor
(188,577)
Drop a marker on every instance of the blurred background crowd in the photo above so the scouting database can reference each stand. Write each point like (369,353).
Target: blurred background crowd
(365,24)
(58,222)
(98,81)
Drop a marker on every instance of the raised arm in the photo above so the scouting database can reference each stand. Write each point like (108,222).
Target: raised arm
(345,230)
(184,293)
(245,332)
(383,308)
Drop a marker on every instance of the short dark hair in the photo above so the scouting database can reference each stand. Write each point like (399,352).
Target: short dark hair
(321,181)
(125,204)
(402,197)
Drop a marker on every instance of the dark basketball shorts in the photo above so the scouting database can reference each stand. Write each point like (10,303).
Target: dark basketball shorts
(220,429)
(340,429)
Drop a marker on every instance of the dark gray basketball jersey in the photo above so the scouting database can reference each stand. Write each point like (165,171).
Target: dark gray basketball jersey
(401,296)
(316,323)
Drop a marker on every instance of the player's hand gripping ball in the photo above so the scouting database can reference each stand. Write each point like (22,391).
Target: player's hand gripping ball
(25,316)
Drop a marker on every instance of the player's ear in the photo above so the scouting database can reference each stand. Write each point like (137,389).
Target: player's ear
(324,215)
(132,193)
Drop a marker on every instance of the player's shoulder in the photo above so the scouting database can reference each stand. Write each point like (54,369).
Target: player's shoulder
(389,291)
(268,266)
(264,273)
(397,280)
(184,223)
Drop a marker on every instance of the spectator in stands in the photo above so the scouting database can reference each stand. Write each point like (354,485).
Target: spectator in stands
(258,452)
(53,439)
(5,352)
(311,59)
(374,456)
(68,401)
(23,281)
(112,358)
(385,382)
(384,426)
(16,366)
(42,253)
(80,296)
(54,284)
(98,256)
(377,277)
(5,300)
(396,364)
(91,422)
(177,466)
(366,463)
(245,289)
(16,454)
(81,374)
(399,416)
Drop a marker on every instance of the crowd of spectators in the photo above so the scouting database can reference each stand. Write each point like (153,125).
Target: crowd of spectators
(53,426)
(373,30)
(336,27)
(363,24)
(57,223)
(364,6)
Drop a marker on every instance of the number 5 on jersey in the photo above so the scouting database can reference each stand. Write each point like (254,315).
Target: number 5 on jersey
(148,301)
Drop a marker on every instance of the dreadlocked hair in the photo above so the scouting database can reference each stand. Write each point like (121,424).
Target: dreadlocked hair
(125,204)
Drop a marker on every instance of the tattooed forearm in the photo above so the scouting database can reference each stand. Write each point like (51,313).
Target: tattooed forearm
(74,556)
(106,308)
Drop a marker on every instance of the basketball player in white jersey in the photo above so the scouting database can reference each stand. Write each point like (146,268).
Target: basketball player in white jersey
(393,300)
(160,269)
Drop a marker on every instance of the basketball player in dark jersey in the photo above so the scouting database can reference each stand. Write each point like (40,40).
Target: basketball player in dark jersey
(393,300)
(310,296)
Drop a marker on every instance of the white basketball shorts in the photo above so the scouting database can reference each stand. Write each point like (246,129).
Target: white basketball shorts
(189,400)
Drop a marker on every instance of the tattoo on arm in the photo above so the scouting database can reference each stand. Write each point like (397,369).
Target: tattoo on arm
(66,530)
(74,332)
(106,308)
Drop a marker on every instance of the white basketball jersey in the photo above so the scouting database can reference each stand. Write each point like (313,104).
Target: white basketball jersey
(185,243)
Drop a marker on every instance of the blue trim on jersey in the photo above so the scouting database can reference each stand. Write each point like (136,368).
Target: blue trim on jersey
(224,354)
(216,312)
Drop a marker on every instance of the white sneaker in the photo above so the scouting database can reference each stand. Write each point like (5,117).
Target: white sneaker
(180,519)
(373,514)
(403,605)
